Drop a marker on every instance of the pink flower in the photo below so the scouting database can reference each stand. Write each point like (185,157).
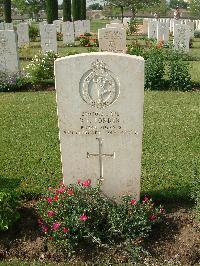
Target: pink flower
(145,199)
(133,202)
(86,183)
(60,190)
(78,181)
(152,217)
(45,229)
(83,217)
(51,213)
(55,226)
(62,183)
(65,230)
(49,200)
(162,210)
(70,192)
(40,222)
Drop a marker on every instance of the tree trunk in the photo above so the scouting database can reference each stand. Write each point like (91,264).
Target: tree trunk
(67,14)
(122,11)
(134,11)
(51,10)
(7,11)
(83,10)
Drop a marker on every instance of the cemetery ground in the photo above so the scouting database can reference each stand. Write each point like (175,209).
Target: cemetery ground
(30,163)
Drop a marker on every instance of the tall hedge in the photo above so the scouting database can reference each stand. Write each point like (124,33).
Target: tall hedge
(67,7)
(83,9)
(76,9)
(7,11)
(51,10)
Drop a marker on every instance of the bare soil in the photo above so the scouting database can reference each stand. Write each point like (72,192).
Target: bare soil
(174,242)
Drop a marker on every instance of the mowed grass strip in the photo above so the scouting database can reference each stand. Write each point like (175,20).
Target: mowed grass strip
(30,153)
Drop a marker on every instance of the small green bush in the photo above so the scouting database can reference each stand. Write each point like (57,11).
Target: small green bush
(33,33)
(41,68)
(80,214)
(179,76)
(13,82)
(197,33)
(9,214)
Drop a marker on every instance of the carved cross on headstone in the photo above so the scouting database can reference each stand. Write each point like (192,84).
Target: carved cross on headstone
(101,155)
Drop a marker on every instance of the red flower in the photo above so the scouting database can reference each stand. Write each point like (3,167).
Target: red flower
(70,192)
(51,238)
(133,201)
(86,183)
(45,229)
(78,181)
(66,230)
(40,222)
(152,217)
(60,190)
(55,198)
(83,217)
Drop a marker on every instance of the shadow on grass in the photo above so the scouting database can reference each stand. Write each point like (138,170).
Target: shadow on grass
(9,184)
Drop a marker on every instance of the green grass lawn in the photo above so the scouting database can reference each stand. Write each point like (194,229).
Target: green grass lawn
(30,156)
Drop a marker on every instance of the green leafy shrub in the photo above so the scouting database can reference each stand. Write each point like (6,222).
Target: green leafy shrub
(80,214)
(132,27)
(13,82)
(33,33)
(179,76)
(9,214)
(155,69)
(41,68)
(197,33)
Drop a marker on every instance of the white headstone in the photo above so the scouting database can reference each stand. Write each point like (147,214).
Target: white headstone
(23,34)
(88,26)
(175,23)
(8,26)
(181,37)
(100,111)
(191,28)
(152,29)
(9,62)
(115,25)
(78,28)
(48,38)
(58,24)
(126,22)
(112,40)
(163,32)
(1,26)
(145,25)
(68,32)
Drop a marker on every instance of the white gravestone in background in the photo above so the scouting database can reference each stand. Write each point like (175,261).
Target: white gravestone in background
(175,23)
(48,38)
(145,25)
(68,32)
(152,29)
(9,62)
(23,34)
(58,24)
(115,25)
(100,111)
(78,28)
(8,26)
(112,40)
(163,32)
(1,26)
(191,28)
(88,26)
(181,37)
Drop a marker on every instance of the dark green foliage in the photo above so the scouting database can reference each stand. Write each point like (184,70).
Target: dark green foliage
(83,10)
(12,82)
(67,16)
(9,202)
(179,77)
(197,33)
(7,11)
(51,10)
(82,215)
(76,9)
(33,33)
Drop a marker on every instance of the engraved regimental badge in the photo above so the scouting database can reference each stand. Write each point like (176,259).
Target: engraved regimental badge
(98,86)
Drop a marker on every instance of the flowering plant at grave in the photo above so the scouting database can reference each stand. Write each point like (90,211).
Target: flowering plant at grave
(78,214)
(12,82)
(88,40)
(41,67)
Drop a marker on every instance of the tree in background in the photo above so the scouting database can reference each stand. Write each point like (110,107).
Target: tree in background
(51,10)
(83,10)
(7,11)
(178,3)
(32,7)
(195,8)
(67,14)
(162,8)
(95,6)
(76,7)
(1,8)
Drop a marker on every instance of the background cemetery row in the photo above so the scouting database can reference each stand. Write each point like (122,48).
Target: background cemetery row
(112,38)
